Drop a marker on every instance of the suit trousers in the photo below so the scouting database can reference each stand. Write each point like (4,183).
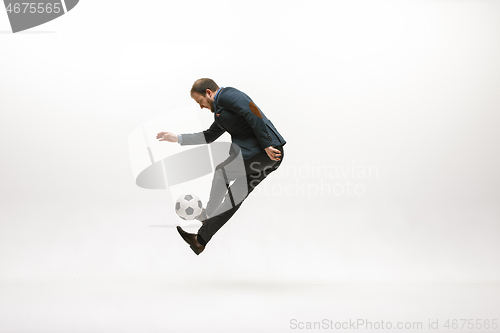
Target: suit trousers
(233,181)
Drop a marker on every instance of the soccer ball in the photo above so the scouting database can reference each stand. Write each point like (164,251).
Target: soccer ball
(188,206)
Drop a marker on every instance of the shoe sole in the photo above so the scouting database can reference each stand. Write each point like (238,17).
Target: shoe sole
(194,250)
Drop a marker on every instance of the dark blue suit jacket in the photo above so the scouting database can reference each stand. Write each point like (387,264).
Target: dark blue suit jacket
(235,112)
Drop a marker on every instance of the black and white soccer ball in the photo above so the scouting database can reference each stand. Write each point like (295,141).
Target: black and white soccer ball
(188,206)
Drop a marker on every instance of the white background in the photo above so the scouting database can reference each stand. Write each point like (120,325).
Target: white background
(406,88)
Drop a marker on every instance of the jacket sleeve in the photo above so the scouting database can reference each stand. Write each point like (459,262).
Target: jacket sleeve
(207,136)
(241,104)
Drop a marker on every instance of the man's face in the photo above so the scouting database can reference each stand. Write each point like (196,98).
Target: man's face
(204,101)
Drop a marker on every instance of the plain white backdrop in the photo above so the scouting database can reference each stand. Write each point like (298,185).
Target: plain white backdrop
(389,109)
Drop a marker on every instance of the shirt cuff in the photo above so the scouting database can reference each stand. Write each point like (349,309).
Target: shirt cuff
(179,138)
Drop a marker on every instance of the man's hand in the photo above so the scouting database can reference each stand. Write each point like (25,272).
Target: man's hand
(167,136)
(273,153)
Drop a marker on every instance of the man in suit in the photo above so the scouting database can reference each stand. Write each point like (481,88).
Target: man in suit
(256,151)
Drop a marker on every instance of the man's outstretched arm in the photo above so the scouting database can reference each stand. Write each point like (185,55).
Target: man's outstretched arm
(207,136)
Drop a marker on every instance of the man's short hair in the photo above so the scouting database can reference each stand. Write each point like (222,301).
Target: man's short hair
(200,86)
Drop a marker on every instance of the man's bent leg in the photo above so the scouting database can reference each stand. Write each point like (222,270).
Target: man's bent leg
(226,172)
(259,172)
(217,191)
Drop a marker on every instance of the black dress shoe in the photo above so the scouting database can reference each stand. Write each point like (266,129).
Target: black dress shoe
(191,240)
